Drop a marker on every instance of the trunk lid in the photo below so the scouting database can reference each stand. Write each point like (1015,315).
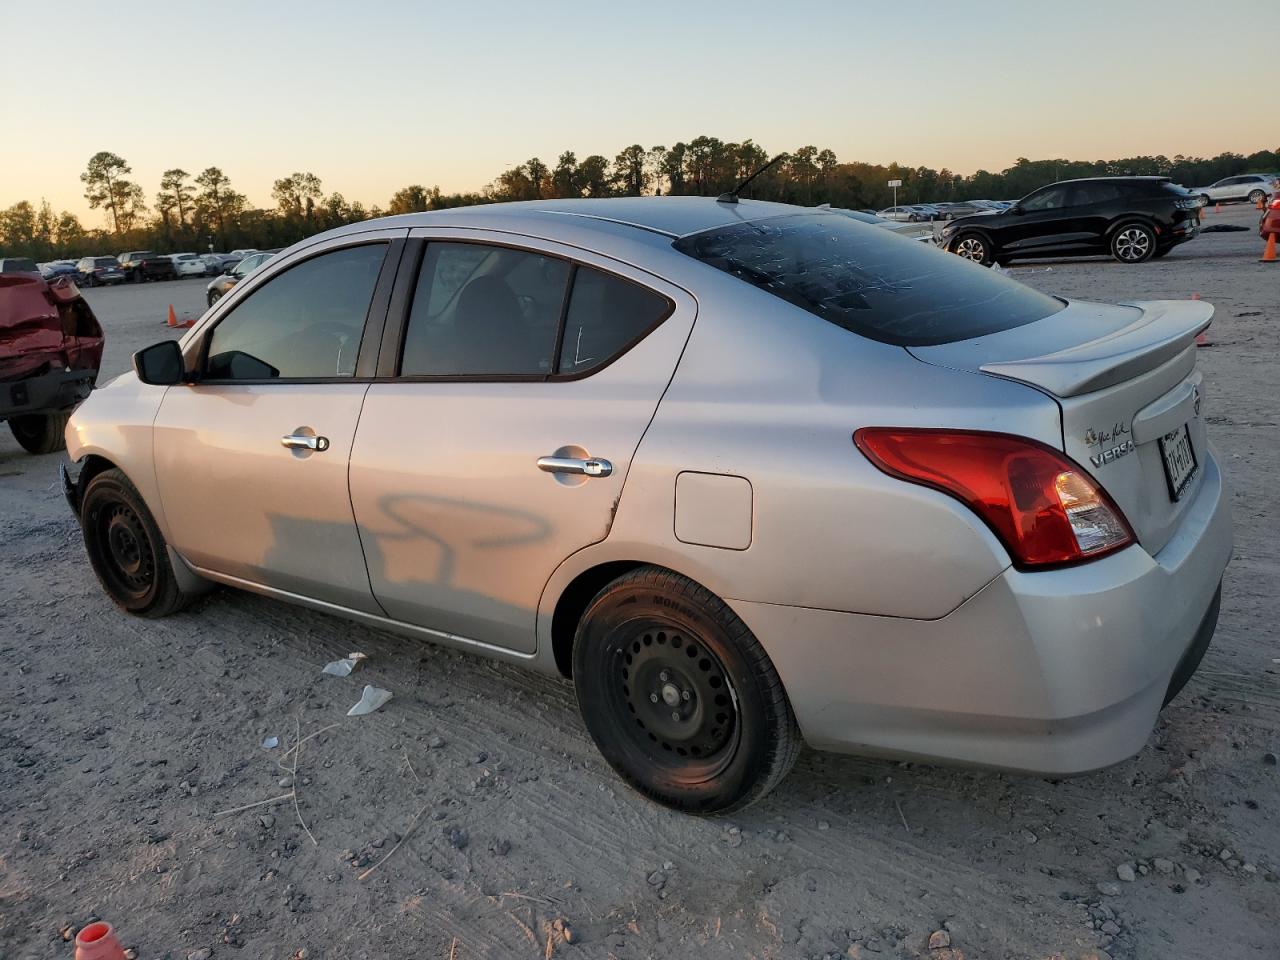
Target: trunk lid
(1125,378)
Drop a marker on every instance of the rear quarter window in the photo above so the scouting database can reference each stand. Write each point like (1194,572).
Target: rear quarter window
(868,281)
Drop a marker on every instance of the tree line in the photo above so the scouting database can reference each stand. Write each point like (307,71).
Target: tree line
(197,211)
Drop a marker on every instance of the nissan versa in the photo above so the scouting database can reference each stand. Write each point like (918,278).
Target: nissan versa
(748,473)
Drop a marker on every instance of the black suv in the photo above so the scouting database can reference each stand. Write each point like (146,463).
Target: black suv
(1131,218)
(140,265)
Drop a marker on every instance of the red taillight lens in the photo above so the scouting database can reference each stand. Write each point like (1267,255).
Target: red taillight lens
(1045,509)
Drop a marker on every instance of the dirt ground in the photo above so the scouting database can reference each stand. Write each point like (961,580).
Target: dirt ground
(122,739)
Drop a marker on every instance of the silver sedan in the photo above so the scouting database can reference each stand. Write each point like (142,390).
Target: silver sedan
(749,474)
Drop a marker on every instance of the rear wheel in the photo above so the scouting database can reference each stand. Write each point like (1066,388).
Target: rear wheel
(40,432)
(1256,196)
(1133,243)
(679,696)
(126,548)
(214,297)
(973,246)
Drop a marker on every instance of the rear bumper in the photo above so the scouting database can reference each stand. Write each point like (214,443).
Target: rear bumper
(48,392)
(1054,673)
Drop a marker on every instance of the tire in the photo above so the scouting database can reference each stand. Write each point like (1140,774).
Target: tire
(1256,195)
(213,297)
(40,433)
(973,246)
(126,548)
(655,654)
(1133,243)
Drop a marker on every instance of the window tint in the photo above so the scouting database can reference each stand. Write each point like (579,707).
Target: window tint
(305,322)
(1051,198)
(860,278)
(1095,192)
(484,311)
(606,315)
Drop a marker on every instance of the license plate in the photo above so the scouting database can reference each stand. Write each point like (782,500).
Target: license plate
(1179,460)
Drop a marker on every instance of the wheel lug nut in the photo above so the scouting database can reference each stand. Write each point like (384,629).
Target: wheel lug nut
(664,676)
(684,694)
(675,715)
(653,698)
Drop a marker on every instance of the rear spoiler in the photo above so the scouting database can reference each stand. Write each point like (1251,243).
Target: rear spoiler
(1163,330)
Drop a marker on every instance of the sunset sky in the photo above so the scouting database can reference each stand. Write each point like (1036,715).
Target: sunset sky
(376,95)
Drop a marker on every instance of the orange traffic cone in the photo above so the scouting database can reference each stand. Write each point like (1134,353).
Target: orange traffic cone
(173,320)
(98,941)
(1217,208)
(1269,254)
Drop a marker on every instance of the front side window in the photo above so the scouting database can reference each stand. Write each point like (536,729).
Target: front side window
(866,281)
(303,323)
(481,311)
(1049,199)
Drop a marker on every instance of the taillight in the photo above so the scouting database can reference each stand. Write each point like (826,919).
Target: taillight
(1275,204)
(1044,508)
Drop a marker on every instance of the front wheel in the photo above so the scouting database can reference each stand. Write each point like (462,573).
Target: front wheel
(126,548)
(679,696)
(40,432)
(973,246)
(1133,243)
(213,297)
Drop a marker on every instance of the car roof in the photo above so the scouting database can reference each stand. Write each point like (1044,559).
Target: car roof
(669,216)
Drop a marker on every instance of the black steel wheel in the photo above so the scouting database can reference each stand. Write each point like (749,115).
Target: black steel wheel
(679,696)
(126,548)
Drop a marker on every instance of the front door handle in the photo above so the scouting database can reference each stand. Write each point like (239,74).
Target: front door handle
(299,441)
(594,467)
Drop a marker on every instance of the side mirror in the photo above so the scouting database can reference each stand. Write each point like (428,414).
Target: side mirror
(1016,210)
(160,364)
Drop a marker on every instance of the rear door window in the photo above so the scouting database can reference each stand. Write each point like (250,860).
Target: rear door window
(1095,192)
(484,311)
(867,281)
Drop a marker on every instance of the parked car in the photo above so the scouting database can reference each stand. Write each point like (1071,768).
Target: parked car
(96,271)
(241,254)
(912,231)
(57,268)
(142,265)
(217,264)
(188,264)
(50,351)
(912,214)
(875,496)
(1131,218)
(18,265)
(1248,186)
(950,211)
(219,287)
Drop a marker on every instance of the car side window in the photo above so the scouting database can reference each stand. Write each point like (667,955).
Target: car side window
(606,316)
(303,323)
(1085,193)
(1050,198)
(484,311)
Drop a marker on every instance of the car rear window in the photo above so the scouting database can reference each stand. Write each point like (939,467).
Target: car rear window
(868,281)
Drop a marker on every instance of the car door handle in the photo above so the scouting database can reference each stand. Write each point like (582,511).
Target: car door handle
(586,468)
(299,441)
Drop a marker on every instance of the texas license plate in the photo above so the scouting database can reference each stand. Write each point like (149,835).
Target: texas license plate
(1179,460)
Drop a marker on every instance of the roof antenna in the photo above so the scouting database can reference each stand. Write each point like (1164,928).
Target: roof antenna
(732,195)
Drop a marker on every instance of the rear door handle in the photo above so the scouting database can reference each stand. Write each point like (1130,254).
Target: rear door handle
(299,441)
(586,468)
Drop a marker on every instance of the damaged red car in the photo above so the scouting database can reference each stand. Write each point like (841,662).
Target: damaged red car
(50,352)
